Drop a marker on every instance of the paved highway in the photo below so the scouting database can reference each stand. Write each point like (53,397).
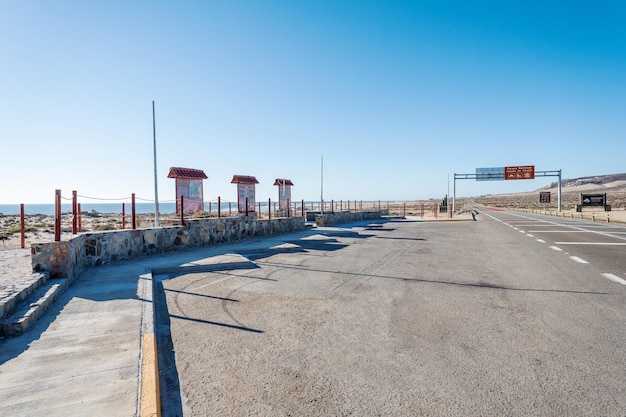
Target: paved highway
(601,245)
(512,315)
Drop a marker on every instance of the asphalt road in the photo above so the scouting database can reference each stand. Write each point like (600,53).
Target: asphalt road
(499,317)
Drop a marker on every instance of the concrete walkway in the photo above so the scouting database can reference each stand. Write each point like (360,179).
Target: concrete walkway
(83,356)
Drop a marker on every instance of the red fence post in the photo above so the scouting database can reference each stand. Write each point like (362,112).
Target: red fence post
(303,209)
(219,207)
(74,214)
(57,215)
(230,210)
(133,213)
(269,208)
(80,223)
(404,209)
(123,215)
(23,229)
(182,212)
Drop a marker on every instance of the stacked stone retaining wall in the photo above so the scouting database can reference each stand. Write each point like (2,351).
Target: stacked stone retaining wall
(70,258)
(328,219)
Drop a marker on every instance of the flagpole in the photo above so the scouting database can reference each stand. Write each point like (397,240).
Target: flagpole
(156,187)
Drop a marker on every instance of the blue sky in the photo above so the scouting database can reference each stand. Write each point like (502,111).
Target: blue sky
(397,96)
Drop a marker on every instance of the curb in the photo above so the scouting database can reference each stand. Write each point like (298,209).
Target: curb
(150,394)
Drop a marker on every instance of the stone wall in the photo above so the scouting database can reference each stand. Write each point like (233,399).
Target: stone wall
(327,219)
(70,258)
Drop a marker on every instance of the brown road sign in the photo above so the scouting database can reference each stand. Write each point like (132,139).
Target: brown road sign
(526,172)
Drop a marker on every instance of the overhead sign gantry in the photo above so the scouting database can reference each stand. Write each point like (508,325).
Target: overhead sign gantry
(522,172)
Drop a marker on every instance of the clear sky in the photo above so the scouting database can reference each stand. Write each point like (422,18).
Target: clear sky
(397,96)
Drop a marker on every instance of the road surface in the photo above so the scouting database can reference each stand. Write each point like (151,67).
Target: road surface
(507,316)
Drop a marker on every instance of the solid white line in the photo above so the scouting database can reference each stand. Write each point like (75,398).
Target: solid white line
(556,248)
(614,278)
(579,260)
(561,231)
(591,243)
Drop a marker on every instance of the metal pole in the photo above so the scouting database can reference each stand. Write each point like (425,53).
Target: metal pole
(156,187)
(322,189)
(559,191)
(454,194)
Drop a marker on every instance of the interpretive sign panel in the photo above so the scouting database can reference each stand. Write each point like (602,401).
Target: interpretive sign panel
(490,174)
(191,191)
(544,197)
(245,197)
(593,199)
(519,172)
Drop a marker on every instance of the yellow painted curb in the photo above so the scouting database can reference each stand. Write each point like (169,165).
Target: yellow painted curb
(150,391)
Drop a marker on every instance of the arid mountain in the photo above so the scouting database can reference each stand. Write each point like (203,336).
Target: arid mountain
(600,183)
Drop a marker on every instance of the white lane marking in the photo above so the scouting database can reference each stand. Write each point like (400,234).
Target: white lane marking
(573,225)
(579,260)
(591,243)
(529,235)
(556,248)
(614,278)
(561,231)
(541,241)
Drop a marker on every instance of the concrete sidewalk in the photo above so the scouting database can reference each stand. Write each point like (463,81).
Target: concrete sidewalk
(83,356)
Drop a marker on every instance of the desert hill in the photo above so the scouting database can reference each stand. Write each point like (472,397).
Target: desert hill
(600,183)
(613,185)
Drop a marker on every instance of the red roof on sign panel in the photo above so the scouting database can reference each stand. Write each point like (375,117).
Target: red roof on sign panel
(177,172)
(282,181)
(243,179)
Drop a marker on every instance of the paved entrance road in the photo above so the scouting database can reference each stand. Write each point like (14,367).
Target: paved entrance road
(423,319)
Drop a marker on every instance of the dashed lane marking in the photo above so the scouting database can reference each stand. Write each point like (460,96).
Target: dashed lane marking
(615,278)
(579,260)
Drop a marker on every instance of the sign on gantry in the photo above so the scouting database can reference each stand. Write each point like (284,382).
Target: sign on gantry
(526,172)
